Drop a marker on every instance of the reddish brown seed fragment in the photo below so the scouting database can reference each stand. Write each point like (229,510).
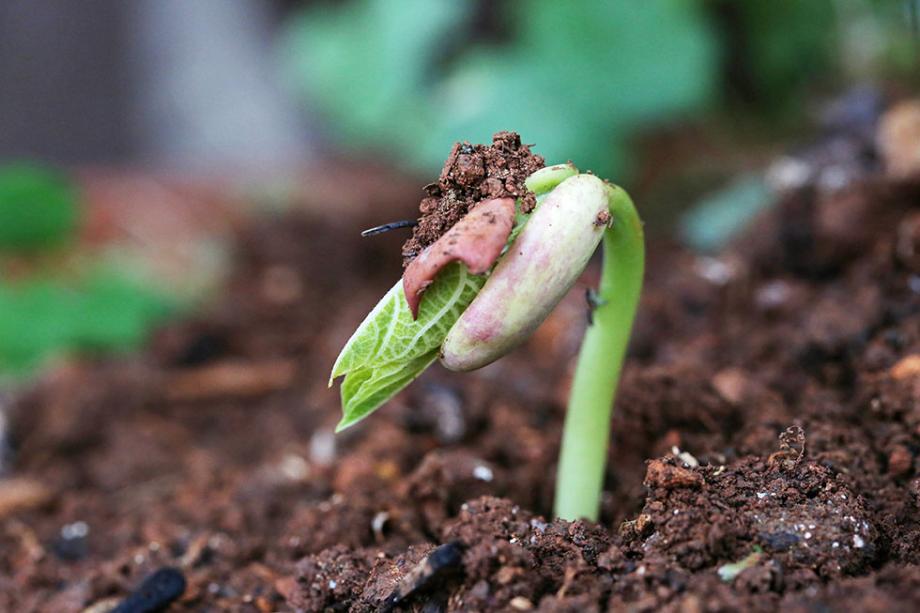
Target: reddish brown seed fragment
(476,241)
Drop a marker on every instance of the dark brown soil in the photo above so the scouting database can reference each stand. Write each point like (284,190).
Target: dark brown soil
(473,173)
(770,406)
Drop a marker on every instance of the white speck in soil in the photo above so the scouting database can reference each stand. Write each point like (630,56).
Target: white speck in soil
(322,447)
(833,178)
(772,295)
(379,521)
(685,457)
(914,283)
(858,541)
(332,584)
(789,173)
(483,473)
(713,270)
(294,467)
(76,530)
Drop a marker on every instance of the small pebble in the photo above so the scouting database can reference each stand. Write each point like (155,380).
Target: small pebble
(155,593)
(378,523)
(714,270)
(322,447)
(71,544)
(294,467)
(483,473)
(441,560)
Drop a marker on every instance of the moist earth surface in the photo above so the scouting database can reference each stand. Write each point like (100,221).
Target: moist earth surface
(765,447)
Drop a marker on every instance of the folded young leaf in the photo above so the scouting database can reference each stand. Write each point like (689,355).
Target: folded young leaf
(366,389)
(390,349)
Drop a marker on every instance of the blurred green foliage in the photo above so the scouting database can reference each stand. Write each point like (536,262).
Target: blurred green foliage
(576,77)
(790,45)
(53,309)
(106,310)
(722,215)
(411,77)
(38,207)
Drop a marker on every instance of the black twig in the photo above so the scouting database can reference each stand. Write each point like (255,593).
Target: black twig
(393,225)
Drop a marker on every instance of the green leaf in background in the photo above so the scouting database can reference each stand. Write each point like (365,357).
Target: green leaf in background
(389,350)
(791,45)
(38,207)
(45,316)
(721,216)
(362,62)
(411,78)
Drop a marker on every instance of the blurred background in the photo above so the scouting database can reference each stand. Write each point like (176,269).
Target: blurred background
(136,136)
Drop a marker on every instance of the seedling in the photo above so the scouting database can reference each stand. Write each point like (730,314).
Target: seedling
(483,287)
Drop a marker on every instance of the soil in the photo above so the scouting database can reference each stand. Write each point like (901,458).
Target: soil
(473,173)
(765,447)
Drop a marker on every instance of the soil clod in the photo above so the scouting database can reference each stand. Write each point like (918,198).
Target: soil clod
(244,487)
(473,173)
(156,592)
(436,566)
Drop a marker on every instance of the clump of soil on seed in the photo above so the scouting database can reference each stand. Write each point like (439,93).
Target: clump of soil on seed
(473,173)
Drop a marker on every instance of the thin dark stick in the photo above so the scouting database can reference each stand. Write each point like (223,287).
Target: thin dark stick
(393,225)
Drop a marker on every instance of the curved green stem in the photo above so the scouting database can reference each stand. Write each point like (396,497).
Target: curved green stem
(583,456)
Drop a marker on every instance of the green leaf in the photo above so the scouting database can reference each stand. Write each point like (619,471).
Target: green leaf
(38,207)
(103,310)
(414,76)
(389,350)
(366,389)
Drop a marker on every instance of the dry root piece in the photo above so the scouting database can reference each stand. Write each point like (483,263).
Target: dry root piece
(791,448)
(22,494)
(231,379)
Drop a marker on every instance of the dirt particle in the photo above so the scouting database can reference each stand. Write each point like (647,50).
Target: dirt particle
(907,368)
(155,593)
(441,562)
(791,448)
(900,460)
(730,384)
(18,494)
(665,475)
